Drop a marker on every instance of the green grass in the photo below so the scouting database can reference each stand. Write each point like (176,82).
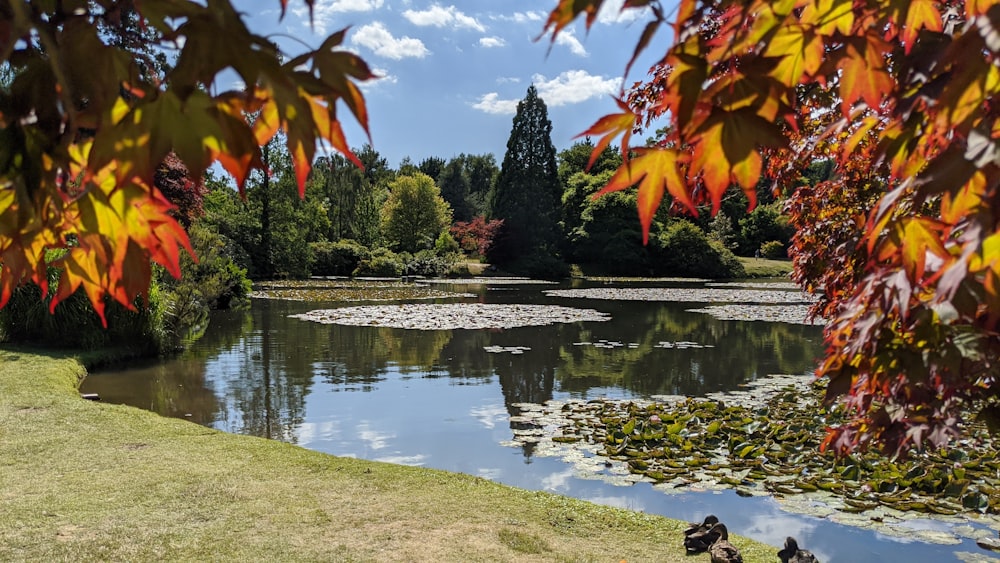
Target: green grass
(765,268)
(86,481)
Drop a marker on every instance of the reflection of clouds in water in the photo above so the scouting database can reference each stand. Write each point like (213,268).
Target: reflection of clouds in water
(489,415)
(309,432)
(403,459)
(491,473)
(558,481)
(773,528)
(629,503)
(373,438)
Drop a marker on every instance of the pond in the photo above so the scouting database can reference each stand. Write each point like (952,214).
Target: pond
(445,398)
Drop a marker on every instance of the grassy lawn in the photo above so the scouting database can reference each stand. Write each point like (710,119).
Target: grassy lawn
(84,481)
(765,268)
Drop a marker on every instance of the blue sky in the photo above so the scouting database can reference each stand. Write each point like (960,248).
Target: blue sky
(453,72)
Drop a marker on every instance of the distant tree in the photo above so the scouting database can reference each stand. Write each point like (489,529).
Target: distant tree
(577,157)
(414,214)
(527,191)
(766,223)
(406,167)
(432,166)
(721,229)
(353,197)
(174,181)
(454,186)
(476,236)
(482,172)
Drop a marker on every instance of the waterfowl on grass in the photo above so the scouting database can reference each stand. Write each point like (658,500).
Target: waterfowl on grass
(722,551)
(710,521)
(700,541)
(792,553)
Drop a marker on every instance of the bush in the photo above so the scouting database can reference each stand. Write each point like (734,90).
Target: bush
(445,244)
(339,258)
(382,263)
(427,263)
(75,324)
(774,250)
(684,250)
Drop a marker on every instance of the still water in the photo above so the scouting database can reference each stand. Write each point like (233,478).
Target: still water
(440,399)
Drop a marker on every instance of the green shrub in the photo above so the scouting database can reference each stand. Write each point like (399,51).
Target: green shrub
(382,263)
(774,250)
(683,249)
(445,244)
(427,263)
(339,258)
(75,324)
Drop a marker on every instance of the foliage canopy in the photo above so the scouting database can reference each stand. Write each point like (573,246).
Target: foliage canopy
(901,97)
(86,120)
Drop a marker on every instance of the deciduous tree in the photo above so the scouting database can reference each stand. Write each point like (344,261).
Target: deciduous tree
(415,214)
(901,96)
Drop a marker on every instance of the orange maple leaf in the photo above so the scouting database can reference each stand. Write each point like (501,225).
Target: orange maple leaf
(654,169)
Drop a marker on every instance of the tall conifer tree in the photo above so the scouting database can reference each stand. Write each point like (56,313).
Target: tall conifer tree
(526,195)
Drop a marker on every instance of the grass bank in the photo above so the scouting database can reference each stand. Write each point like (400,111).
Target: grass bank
(766,268)
(87,481)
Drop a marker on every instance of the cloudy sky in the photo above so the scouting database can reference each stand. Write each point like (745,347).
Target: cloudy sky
(453,71)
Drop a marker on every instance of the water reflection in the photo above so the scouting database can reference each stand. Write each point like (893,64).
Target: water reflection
(439,399)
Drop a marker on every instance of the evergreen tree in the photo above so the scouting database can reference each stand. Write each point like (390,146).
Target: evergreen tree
(527,192)
(432,166)
(455,189)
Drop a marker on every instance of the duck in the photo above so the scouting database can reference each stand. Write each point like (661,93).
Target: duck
(721,550)
(792,553)
(699,541)
(704,526)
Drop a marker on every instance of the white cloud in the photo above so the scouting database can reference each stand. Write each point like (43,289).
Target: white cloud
(439,16)
(489,415)
(611,13)
(510,79)
(383,76)
(574,86)
(377,38)
(522,17)
(373,438)
(570,87)
(326,10)
(491,103)
(568,39)
(489,42)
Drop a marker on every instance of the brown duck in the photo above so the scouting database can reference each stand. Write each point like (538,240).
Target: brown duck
(698,541)
(722,551)
(792,553)
(710,521)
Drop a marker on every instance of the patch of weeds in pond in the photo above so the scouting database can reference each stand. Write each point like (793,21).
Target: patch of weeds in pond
(766,441)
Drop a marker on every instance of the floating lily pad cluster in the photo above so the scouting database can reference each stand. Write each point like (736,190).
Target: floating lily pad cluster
(773,448)
(487,280)
(501,349)
(684,294)
(426,316)
(348,291)
(794,314)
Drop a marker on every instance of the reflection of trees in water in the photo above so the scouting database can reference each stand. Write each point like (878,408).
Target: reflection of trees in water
(741,351)
(266,377)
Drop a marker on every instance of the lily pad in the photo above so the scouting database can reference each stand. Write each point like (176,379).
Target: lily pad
(452,316)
